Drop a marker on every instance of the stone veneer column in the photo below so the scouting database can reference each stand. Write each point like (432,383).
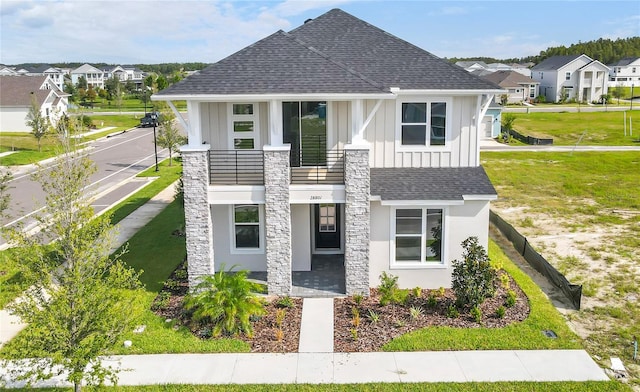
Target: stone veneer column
(277,211)
(357,219)
(198,224)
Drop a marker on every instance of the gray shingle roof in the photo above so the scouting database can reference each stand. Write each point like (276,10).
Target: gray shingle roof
(624,61)
(509,79)
(433,183)
(20,90)
(555,62)
(334,53)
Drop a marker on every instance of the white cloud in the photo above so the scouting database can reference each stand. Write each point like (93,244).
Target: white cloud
(138,31)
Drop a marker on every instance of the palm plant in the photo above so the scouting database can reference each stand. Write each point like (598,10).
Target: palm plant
(227,300)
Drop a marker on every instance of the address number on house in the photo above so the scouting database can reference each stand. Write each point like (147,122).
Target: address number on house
(316,197)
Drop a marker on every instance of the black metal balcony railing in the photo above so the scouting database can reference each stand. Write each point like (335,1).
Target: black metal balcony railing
(325,169)
(236,167)
(246,167)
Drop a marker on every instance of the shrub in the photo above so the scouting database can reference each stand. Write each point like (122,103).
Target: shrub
(417,292)
(227,301)
(452,312)
(284,302)
(476,313)
(511,299)
(388,288)
(432,300)
(356,317)
(500,312)
(373,316)
(357,298)
(504,280)
(473,279)
(415,312)
(280,314)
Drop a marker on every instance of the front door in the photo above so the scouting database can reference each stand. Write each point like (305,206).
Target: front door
(327,227)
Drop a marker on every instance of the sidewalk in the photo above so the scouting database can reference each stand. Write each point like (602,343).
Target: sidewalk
(346,368)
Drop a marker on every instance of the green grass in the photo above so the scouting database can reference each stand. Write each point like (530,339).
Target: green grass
(12,282)
(26,144)
(547,180)
(599,128)
(167,175)
(127,105)
(526,335)
(157,252)
(591,386)
(584,192)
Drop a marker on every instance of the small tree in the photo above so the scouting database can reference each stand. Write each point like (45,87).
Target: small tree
(38,123)
(617,92)
(170,138)
(507,120)
(81,302)
(473,278)
(504,99)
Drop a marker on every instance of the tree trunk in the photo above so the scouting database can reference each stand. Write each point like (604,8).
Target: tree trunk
(77,386)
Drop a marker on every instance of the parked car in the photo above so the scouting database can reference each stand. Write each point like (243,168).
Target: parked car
(151,119)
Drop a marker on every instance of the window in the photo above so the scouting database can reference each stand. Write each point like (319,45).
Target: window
(246,227)
(327,216)
(532,91)
(423,124)
(305,129)
(418,236)
(633,70)
(567,76)
(244,120)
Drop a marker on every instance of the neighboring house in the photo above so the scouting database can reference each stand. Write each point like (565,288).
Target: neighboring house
(491,122)
(625,72)
(126,73)
(4,70)
(335,138)
(94,76)
(471,66)
(520,88)
(16,100)
(574,77)
(481,68)
(57,75)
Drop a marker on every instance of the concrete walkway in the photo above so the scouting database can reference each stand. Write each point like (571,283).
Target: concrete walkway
(342,368)
(316,326)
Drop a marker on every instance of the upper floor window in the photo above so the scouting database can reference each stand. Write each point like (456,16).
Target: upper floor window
(423,123)
(633,70)
(243,125)
(417,236)
(567,76)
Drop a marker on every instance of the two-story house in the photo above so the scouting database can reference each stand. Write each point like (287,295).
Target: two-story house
(93,75)
(336,138)
(626,72)
(573,77)
(20,92)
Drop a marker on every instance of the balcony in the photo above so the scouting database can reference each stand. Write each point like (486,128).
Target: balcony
(236,167)
(246,167)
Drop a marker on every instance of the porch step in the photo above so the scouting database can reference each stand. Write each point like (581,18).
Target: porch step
(316,329)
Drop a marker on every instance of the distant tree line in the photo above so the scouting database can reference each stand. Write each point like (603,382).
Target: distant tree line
(604,50)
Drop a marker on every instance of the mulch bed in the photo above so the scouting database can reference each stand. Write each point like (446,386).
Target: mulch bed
(394,320)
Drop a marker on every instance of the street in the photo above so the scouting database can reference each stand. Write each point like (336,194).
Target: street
(118,158)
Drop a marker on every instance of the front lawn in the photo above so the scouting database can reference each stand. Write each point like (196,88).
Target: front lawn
(592,128)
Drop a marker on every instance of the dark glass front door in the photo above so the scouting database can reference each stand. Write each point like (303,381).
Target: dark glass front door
(327,226)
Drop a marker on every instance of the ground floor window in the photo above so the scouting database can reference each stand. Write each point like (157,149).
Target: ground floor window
(418,236)
(247,227)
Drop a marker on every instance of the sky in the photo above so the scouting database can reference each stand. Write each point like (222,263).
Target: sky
(161,31)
